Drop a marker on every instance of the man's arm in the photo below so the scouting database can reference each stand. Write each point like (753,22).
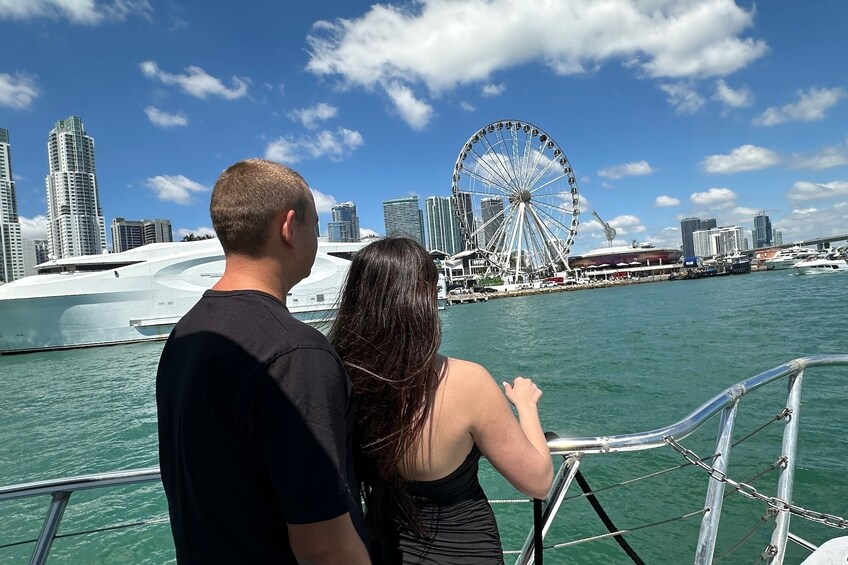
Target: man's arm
(328,543)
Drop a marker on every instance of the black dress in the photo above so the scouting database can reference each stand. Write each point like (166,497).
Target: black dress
(459,521)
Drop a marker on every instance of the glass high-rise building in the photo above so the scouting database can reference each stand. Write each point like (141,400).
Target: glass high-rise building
(345,224)
(11,243)
(403,217)
(129,234)
(75,217)
(464,211)
(689,226)
(493,217)
(762,231)
(442,225)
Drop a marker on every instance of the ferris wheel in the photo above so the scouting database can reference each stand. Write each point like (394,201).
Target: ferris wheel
(516,199)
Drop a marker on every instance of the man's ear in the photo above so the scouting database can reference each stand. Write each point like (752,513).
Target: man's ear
(287,226)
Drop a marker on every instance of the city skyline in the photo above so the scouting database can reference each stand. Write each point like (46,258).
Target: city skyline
(705,124)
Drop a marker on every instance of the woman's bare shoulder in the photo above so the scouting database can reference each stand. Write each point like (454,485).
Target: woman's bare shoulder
(468,373)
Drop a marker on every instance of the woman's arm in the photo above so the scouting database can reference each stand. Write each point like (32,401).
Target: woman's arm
(516,448)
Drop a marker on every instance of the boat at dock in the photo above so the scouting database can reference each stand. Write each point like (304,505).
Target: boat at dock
(786,258)
(138,295)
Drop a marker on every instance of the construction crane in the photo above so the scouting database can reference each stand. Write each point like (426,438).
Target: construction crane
(609,231)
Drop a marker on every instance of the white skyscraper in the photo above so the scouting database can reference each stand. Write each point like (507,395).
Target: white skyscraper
(75,218)
(11,245)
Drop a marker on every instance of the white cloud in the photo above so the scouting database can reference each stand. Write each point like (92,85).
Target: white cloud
(335,145)
(88,12)
(824,159)
(811,106)
(803,190)
(164,119)
(368,232)
(806,223)
(175,188)
(17,91)
(442,45)
(323,202)
(665,201)
(413,111)
(683,97)
(197,82)
(743,158)
(310,117)
(733,98)
(34,228)
(466,106)
(714,198)
(493,89)
(634,169)
(201,231)
(627,224)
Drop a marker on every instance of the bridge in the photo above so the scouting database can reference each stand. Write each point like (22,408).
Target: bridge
(820,242)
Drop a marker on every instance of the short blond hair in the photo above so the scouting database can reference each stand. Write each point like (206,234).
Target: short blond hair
(246,198)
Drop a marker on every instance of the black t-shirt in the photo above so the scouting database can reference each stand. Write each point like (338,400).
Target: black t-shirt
(255,430)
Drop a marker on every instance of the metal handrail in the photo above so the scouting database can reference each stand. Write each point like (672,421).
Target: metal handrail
(689,424)
(726,403)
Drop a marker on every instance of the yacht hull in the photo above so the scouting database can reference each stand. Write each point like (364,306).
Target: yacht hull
(141,301)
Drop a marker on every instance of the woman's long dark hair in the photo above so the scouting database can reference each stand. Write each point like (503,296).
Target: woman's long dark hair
(388,333)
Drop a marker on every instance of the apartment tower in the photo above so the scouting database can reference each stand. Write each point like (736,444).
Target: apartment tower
(75,217)
(403,217)
(345,224)
(11,244)
(442,226)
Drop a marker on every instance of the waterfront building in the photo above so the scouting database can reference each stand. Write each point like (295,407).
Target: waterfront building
(688,226)
(403,217)
(129,234)
(464,213)
(719,241)
(344,228)
(777,237)
(11,244)
(75,218)
(35,253)
(493,216)
(762,231)
(442,225)
(707,224)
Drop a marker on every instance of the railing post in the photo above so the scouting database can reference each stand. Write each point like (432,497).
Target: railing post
(51,525)
(787,472)
(715,488)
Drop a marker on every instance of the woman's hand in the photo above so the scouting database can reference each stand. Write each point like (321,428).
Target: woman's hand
(522,391)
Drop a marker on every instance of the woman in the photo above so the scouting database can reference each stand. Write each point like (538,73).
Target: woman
(423,420)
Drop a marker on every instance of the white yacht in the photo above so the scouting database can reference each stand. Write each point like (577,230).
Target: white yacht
(139,295)
(786,258)
(833,262)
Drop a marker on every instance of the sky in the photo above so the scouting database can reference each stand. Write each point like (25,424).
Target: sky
(666,109)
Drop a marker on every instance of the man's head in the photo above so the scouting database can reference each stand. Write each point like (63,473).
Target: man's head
(249,197)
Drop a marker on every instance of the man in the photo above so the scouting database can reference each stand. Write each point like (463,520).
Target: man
(255,409)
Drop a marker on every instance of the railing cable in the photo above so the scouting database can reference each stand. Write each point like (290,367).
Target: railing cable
(602,514)
(151,522)
(626,531)
(762,522)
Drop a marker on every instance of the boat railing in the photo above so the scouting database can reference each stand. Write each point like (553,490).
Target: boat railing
(573,451)
(725,405)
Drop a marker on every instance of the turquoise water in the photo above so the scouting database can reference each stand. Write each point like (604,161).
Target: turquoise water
(610,361)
